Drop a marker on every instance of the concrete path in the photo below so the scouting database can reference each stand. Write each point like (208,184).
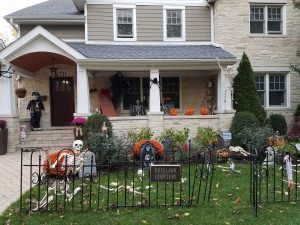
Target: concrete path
(10,167)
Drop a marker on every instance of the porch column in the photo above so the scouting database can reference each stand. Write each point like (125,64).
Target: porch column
(154,106)
(7,95)
(83,97)
(221,92)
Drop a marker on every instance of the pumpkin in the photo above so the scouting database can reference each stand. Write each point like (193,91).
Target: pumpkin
(204,110)
(189,111)
(173,112)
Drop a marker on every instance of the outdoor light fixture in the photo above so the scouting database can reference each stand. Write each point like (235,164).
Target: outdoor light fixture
(7,73)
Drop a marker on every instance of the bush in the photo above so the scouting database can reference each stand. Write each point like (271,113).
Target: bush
(278,123)
(134,137)
(177,138)
(94,124)
(245,97)
(206,137)
(297,111)
(240,121)
(254,137)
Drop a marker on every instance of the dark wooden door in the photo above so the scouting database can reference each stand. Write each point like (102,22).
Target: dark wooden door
(62,101)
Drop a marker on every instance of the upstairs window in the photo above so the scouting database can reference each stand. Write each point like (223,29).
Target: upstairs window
(125,23)
(174,23)
(266,20)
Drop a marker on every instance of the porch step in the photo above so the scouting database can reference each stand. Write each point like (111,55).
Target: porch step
(53,139)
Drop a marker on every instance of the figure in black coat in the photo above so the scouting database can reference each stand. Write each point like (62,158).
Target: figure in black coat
(35,107)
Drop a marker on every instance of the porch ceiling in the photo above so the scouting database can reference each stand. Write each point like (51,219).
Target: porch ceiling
(37,60)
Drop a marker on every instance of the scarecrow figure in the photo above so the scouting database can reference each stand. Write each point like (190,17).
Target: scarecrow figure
(35,107)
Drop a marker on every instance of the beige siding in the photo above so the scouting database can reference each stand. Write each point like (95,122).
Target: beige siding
(100,22)
(198,24)
(64,32)
(149,21)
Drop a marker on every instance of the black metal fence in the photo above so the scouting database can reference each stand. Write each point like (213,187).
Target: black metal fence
(184,178)
(274,176)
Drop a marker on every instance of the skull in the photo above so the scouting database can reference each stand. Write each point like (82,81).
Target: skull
(77,145)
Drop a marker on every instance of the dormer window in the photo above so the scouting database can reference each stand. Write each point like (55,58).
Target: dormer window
(124,23)
(174,23)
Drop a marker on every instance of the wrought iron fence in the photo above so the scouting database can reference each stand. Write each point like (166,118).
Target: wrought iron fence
(274,177)
(178,178)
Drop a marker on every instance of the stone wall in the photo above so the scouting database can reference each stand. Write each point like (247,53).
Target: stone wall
(13,132)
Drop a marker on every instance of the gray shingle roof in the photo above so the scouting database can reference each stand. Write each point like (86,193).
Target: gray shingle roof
(51,8)
(151,51)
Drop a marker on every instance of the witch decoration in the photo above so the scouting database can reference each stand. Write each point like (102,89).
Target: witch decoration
(35,107)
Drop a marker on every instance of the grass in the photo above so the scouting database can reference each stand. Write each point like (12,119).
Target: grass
(229,205)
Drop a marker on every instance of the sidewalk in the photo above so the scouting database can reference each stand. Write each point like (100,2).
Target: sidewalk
(10,167)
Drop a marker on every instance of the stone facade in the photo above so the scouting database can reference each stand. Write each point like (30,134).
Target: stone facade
(13,132)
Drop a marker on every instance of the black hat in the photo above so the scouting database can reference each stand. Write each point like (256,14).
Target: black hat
(35,93)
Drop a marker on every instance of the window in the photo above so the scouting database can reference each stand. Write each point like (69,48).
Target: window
(170,91)
(266,19)
(138,89)
(174,23)
(272,89)
(124,23)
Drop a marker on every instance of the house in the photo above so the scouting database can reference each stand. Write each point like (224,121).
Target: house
(168,52)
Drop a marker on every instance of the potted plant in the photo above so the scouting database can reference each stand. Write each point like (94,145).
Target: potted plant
(78,124)
(21,92)
(3,137)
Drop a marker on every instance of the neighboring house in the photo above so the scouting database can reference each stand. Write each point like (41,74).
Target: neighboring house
(68,50)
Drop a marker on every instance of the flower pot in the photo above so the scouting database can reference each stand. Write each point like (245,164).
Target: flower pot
(21,92)
(3,141)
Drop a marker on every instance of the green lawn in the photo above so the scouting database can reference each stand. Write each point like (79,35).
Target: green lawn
(229,205)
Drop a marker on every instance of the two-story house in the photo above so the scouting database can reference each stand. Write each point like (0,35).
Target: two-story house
(166,52)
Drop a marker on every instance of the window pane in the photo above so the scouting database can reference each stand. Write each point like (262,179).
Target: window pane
(260,86)
(124,23)
(170,91)
(277,98)
(174,23)
(125,30)
(261,95)
(174,31)
(133,92)
(274,27)
(256,27)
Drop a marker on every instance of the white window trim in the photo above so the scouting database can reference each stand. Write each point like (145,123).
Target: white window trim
(183,31)
(121,6)
(267,92)
(284,18)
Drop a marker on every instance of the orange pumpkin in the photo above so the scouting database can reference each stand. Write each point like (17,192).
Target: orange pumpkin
(204,110)
(189,111)
(173,112)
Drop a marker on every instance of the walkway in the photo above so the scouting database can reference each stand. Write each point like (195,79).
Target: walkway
(10,167)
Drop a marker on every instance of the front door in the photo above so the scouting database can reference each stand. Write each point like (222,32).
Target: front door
(62,101)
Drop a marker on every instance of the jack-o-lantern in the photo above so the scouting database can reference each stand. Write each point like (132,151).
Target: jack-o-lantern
(173,112)
(204,110)
(189,111)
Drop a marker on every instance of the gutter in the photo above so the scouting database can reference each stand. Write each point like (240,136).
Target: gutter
(45,19)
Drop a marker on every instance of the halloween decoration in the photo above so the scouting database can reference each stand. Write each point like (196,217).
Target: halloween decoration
(288,160)
(154,81)
(138,109)
(35,107)
(173,112)
(204,110)
(8,72)
(22,134)
(189,111)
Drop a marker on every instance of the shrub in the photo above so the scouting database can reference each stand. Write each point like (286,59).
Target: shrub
(177,137)
(134,137)
(278,123)
(240,121)
(94,124)
(297,111)
(254,137)
(245,97)
(206,137)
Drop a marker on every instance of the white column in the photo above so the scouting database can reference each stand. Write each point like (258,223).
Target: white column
(154,106)
(83,97)
(7,95)
(228,95)
(221,92)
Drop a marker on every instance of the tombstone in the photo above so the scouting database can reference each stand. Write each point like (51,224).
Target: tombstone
(147,154)
(89,164)
(269,160)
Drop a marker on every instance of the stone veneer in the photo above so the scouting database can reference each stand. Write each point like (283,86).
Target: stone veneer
(231,25)
(13,132)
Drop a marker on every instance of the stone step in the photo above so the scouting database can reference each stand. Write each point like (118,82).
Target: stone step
(50,147)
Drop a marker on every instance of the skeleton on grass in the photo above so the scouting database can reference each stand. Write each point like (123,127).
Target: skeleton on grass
(66,160)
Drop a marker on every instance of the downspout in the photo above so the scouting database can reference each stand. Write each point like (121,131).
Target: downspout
(212,25)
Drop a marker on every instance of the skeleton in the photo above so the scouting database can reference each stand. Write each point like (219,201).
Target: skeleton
(72,163)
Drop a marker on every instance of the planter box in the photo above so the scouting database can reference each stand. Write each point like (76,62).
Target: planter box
(3,141)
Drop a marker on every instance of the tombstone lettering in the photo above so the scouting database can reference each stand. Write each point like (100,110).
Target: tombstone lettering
(89,164)
(165,173)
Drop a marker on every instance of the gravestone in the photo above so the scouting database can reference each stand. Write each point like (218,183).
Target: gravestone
(147,154)
(89,164)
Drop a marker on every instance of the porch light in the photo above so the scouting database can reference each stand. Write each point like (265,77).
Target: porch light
(53,70)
